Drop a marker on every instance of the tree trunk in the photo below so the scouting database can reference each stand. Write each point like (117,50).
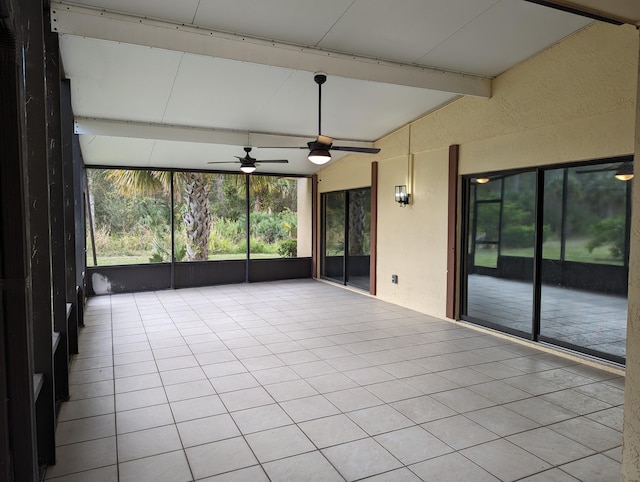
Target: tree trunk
(357,221)
(197,219)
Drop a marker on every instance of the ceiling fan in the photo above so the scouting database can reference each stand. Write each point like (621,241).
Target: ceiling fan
(623,172)
(248,163)
(319,149)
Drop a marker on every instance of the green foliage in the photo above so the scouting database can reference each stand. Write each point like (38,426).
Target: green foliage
(259,246)
(265,226)
(488,222)
(123,244)
(161,252)
(608,232)
(334,206)
(518,236)
(227,235)
(288,248)
(132,215)
(590,197)
(518,212)
(123,214)
(227,196)
(273,227)
(522,236)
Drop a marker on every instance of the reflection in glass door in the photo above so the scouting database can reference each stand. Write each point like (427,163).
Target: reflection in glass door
(499,278)
(486,229)
(585,261)
(334,204)
(359,222)
(560,270)
(346,226)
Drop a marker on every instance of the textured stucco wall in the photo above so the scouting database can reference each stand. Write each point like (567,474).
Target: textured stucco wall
(631,426)
(574,101)
(304,232)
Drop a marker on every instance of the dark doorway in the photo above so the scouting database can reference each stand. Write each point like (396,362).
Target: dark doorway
(346,237)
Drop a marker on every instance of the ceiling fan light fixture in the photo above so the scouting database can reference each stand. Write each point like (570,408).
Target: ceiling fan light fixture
(248,168)
(625,172)
(319,156)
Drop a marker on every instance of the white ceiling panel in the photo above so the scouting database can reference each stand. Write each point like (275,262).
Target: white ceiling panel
(353,109)
(506,34)
(118,81)
(189,155)
(222,93)
(170,99)
(297,99)
(182,11)
(125,29)
(116,151)
(302,22)
(404,32)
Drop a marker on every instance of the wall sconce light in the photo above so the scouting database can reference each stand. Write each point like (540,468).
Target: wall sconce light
(482,180)
(625,171)
(402,196)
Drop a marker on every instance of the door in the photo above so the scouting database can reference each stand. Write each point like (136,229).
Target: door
(499,275)
(346,237)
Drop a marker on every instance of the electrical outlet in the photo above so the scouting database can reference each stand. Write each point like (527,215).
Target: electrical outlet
(394,279)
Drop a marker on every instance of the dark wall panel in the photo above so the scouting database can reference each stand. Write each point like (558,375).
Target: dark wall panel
(18,457)
(599,278)
(190,274)
(277,269)
(106,280)
(79,213)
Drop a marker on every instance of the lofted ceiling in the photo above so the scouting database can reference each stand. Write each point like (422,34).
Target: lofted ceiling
(177,84)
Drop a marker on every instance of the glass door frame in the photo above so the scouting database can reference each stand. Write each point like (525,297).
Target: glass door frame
(323,237)
(466,226)
(323,230)
(466,256)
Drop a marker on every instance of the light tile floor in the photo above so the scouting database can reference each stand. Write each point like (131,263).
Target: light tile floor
(302,381)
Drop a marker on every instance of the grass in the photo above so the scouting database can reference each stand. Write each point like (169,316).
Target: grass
(144,259)
(575,250)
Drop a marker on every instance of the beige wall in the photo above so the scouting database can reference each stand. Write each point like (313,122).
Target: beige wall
(573,101)
(304,232)
(631,426)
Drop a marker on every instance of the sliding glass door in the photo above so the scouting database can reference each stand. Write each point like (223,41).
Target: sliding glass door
(359,225)
(346,233)
(499,281)
(547,255)
(585,259)
(334,235)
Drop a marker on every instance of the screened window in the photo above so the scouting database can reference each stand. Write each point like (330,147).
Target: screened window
(129,216)
(273,204)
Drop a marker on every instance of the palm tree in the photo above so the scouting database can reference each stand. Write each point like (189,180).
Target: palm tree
(359,208)
(196,215)
(267,192)
(191,187)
